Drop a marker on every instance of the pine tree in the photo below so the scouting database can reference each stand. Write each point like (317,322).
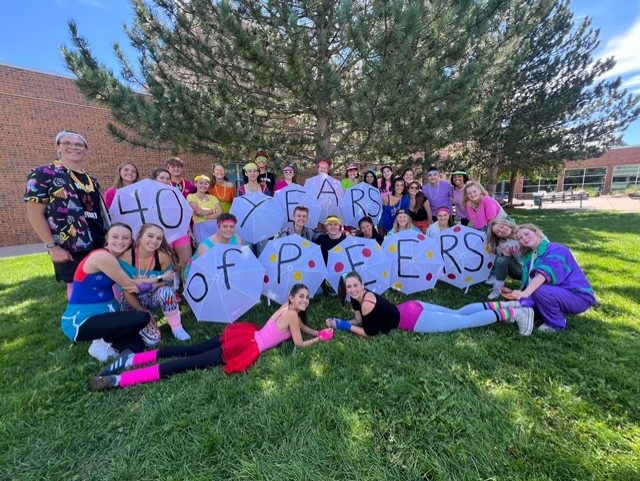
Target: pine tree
(314,79)
(543,101)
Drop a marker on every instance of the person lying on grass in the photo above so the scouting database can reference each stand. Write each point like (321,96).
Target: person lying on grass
(239,346)
(374,314)
(552,281)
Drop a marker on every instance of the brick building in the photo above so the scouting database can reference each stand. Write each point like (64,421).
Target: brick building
(618,169)
(34,106)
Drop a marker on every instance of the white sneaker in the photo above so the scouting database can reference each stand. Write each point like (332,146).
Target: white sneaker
(102,350)
(491,280)
(546,328)
(495,293)
(180,334)
(524,319)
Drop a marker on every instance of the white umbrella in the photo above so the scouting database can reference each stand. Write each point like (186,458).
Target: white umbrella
(466,259)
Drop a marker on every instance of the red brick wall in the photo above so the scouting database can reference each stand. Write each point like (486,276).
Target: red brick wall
(34,107)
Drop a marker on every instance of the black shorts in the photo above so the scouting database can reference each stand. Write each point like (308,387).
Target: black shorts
(66,270)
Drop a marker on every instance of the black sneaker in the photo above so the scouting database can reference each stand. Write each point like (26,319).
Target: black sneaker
(118,365)
(102,383)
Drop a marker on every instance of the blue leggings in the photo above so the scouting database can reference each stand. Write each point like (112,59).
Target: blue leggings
(422,317)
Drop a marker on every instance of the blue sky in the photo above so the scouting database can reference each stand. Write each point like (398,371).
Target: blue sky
(31,32)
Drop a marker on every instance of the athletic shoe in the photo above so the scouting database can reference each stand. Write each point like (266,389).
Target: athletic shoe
(125,360)
(491,280)
(524,319)
(180,334)
(495,293)
(547,328)
(101,383)
(507,304)
(102,350)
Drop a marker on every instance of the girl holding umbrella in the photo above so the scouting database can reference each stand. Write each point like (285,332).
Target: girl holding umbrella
(126,174)
(206,209)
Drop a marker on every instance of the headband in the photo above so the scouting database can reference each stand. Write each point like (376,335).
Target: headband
(250,166)
(433,171)
(333,218)
(202,177)
(69,132)
(233,221)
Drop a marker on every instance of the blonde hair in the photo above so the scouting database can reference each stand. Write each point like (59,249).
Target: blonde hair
(396,226)
(468,185)
(492,239)
(533,228)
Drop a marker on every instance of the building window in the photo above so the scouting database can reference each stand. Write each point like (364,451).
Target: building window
(576,179)
(625,177)
(530,186)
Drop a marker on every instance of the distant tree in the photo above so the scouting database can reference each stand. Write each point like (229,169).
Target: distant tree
(316,79)
(543,101)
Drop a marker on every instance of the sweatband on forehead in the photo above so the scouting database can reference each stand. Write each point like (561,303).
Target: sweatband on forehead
(202,177)
(231,221)
(333,218)
(74,134)
(434,171)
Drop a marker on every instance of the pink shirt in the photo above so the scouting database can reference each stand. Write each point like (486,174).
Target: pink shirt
(270,335)
(488,210)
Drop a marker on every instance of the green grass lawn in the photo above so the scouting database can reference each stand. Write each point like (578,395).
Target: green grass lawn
(470,405)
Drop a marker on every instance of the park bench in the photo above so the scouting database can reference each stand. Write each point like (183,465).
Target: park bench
(540,198)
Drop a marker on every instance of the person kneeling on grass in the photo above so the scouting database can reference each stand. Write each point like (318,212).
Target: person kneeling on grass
(239,346)
(552,281)
(375,314)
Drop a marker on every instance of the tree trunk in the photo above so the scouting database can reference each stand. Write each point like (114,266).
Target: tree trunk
(512,185)
(493,174)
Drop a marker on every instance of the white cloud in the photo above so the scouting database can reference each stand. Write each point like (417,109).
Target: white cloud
(625,49)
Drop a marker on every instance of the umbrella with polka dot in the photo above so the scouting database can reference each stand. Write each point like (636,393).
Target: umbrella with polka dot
(290,260)
(366,257)
(466,259)
(416,261)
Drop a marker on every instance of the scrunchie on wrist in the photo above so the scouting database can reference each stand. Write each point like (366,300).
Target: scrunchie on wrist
(145,287)
(343,325)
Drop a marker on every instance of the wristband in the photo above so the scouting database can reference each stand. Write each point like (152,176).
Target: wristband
(145,287)
(326,334)
(343,325)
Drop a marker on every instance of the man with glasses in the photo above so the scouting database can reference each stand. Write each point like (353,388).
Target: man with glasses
(65,208)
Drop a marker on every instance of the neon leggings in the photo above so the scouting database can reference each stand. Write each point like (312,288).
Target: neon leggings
(417,316)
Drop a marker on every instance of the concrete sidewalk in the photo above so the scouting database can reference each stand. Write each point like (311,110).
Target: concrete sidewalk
(14,251)
(605,202)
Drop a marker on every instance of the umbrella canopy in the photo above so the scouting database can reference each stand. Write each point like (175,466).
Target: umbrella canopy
(329,193)
(288,261)
(294,195)
(151,201)
(224,283)
(366,257)
(416,261)
(466,259)
(359,201)
(259,216)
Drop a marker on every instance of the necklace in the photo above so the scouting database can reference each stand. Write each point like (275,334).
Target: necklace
(224,191)
(146,271)
(437,190)
(88,188)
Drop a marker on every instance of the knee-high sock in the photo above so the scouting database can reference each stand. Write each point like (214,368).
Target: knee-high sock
(140,376)
(174,319)
(146,357)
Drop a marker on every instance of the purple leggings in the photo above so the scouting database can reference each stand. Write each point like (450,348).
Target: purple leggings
(554,302)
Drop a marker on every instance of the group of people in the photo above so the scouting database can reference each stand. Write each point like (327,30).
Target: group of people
(114,282)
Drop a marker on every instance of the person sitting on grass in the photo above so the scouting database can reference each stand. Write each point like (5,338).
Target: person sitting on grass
(368,230)
(239,346)
(374,314)
(300,218)
(403,222)
(502,242)
(445,220)
(481,207)
(334,235)
(150,257)
(93,314)
(552,281)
